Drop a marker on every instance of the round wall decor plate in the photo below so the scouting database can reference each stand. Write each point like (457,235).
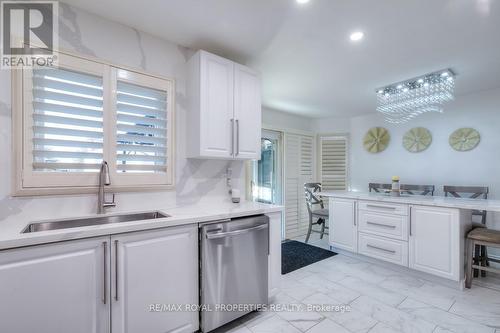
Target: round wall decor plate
(464,139)
(417,139)
(376,140)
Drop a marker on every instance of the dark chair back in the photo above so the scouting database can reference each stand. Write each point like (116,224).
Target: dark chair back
(471,192)
(418,189)
(379,188)
(311,190)
(408,189)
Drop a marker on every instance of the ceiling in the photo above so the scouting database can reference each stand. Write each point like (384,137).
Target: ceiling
(308,64)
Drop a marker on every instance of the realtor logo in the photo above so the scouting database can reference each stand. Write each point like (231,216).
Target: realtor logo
(29,33)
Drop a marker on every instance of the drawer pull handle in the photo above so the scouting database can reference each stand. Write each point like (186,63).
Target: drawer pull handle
(380,248)
(381,225)
(382,207)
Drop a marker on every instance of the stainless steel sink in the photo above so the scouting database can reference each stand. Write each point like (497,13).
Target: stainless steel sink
(84,222)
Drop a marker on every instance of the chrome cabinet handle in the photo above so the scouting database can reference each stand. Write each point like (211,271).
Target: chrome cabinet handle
(214,235)
(382,207)
(410,220)
(381,225)
(116,270)
(237,137)
(105,273)
(354,210)
(380,248)
(232,137)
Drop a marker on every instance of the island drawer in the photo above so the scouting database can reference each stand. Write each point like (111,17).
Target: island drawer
(388,225)
(391,250)
(383,207)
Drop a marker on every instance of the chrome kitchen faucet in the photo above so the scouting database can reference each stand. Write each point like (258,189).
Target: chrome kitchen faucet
(104,180)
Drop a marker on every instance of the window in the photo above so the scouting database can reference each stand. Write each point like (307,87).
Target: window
(71,119)
(333,163)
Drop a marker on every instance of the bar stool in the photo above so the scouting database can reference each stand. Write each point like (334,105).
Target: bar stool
(310,191)
(482,237)
(473,192)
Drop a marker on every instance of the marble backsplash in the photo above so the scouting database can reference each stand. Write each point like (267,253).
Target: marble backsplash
(91,35)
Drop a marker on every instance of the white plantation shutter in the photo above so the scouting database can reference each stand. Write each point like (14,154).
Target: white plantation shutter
(141,129)
(292,194)
(67,121)
(85,112)
(333,163)
(143,145)
(299,169)
(306,175)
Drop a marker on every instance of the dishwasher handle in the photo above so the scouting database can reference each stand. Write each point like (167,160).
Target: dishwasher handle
(214,235)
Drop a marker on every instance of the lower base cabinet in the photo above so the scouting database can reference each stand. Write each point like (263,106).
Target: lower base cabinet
(123,283)
(436,241)
(424,238)
(343,225)
(55,288)
(152,272)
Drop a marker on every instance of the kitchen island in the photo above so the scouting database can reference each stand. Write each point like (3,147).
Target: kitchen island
(424,233)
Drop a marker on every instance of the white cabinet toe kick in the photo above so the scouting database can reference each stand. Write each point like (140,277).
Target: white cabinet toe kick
(423,238)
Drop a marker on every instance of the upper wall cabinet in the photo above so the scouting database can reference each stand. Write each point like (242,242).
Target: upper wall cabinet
(224,109)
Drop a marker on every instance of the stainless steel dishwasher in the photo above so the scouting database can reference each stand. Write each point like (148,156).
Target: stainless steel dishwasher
(234,259)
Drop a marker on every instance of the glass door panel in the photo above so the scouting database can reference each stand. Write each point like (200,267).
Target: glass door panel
(267,172)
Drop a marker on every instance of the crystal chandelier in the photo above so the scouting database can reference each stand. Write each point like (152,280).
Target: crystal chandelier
(405,100)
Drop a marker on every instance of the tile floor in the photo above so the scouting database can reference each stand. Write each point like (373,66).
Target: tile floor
(372,298)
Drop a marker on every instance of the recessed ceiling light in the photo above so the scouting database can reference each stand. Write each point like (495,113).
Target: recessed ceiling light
(357,36)
(302,1)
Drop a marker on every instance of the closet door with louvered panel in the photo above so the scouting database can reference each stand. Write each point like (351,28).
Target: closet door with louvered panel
(299,169)
(64,120)
(333,163)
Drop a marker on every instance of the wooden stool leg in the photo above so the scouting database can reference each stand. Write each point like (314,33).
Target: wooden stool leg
(484,259)
(477,259)
(468,267)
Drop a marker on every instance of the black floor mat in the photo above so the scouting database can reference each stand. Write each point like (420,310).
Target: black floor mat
(295,255)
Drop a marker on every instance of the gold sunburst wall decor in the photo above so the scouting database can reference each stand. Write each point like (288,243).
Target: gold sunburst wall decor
(464,139)
(376,140)
(417,139)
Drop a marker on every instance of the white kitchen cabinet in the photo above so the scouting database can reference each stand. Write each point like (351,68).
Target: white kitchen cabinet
(224,109)
(274,262)
(154,267)
(343,227)
(434,245)
(247,113)
(56,288)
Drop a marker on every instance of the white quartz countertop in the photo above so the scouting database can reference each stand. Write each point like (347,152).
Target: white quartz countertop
(11,236)
(438,201)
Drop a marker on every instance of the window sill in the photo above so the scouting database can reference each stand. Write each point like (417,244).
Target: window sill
(31,192)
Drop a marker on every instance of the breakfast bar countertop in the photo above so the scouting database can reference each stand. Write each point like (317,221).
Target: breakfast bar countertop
(437,201)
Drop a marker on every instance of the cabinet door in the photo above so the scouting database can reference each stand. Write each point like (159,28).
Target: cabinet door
(274,262)
(216,106)
(247,113)
(434,241)
(343,227)
(55,288)
(152,272)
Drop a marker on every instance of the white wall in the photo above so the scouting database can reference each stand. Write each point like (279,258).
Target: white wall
(91,35)
(285,121)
